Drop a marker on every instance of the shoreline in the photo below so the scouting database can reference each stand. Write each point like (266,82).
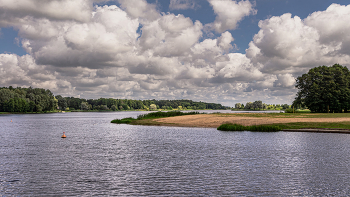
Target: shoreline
(320,123)
(324,130)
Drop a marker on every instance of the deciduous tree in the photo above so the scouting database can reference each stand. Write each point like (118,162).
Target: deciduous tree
(324,89)
(153,107)
(238,106)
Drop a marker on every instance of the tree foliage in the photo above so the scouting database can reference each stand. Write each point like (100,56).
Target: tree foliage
(259,105)
(26,99)
(153,107)
(85,106)
(238,106)
(62,102)
(324,89)
(127,104)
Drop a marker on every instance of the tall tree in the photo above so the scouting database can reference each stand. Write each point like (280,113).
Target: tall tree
(249,105)
(238,105)
(324,89)
(84,106)
(258,105)
(62,102)
(153,107)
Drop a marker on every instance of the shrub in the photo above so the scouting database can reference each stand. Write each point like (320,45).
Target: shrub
(231,127)
(289,110)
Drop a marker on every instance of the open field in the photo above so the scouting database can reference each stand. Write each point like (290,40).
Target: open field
(285,121)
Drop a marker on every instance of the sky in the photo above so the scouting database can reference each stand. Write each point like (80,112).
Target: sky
(220,51)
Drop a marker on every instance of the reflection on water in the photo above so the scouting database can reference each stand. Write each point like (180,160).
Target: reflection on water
(99,158)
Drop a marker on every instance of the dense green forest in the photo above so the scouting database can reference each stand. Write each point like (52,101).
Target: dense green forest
(26,100)
(71,103)
(41,100)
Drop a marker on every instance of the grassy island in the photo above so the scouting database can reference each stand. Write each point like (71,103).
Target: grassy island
(248,121)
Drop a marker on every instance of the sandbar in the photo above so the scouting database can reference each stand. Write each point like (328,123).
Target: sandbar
(215,120)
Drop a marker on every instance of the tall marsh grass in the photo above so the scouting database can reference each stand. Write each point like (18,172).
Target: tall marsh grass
(164,114)
(123,121)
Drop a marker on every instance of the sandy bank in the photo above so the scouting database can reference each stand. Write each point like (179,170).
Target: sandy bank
(215,120)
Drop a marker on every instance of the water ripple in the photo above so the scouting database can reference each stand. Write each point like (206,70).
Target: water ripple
(99,158)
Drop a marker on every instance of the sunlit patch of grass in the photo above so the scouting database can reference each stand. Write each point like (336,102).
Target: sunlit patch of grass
(302,111)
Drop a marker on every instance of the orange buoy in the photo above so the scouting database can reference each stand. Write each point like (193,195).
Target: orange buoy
(11,120)
(64,135)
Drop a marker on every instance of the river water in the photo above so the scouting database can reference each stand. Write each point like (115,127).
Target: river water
(100,158)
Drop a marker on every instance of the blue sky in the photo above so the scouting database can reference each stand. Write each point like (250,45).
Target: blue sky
(237,51)
(8,42)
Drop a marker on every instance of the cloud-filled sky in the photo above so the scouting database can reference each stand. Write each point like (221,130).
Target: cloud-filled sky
(221,51)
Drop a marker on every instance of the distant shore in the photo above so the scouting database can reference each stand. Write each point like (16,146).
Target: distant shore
(137,110)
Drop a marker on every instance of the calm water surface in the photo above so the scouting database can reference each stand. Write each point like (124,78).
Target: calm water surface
(100,158)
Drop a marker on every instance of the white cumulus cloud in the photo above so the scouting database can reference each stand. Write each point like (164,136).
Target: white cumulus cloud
(287,44)
(333,27)
(140,9)
(93,44)
(12,12)
(134,51)
(170,35)
(230,13)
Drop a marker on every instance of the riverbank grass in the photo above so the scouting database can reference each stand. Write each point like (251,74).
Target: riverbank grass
(282,126)
(288,115)
(123,121)
(313,125)
(238,127)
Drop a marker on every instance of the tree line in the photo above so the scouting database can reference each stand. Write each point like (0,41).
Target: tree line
(41,100)
(71,103)
(259,105)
